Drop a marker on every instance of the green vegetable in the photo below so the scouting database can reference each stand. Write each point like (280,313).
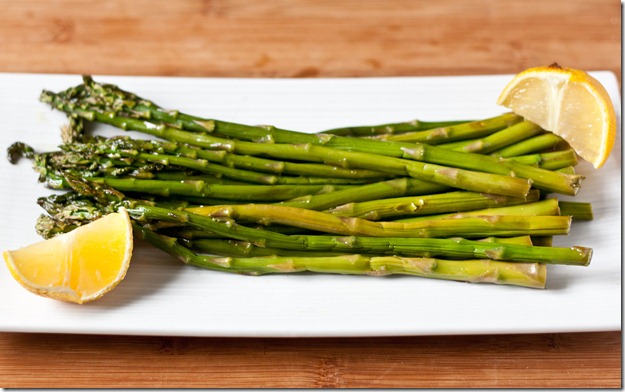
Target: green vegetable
(453,200)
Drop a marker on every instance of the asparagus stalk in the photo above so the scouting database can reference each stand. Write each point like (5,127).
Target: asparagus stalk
(109,200)
(541,178)
(538,208)
(448,132)
(577,210)
(463,179)
(121,99)
(454,132)
(279,180)
(118,157)
(124,156)
(427,247)
(470,226)
(47,164)
(492,142)
(204,166)
(429,204)
(199,189)
(279,167)
(555,160)
(520,274)
(391,128)
(196,191)
(313,150)
(235,248)
(142,108)
(532,145)
(71,210)
(378,190)
(556,182)
(192,176)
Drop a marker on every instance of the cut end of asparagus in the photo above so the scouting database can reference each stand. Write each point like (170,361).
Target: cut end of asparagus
(585,255)
(576,183)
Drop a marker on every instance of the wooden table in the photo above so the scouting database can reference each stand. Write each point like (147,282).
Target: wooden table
(324,38)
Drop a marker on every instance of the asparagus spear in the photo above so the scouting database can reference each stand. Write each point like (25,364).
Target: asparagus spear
(71,210)
(492,142)
(456,248)
(453,132)
(313,150)
(67,212)
(578,210)
(146,109)
(506,273)
(398,245)
(379,190)
(529,146)
(235,248)
(555,160)
(276,167)
(121,99)
(391,128)
(279,180)
(199,189)
(428,204)
(474,181)
(541,178)
(548,207)
(470,226)
(539,208)
(304,219)
(140,158)
(520,274)
(450,131)
(111,97)
(192,176)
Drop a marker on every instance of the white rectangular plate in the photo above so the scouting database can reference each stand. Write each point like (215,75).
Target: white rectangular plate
(161,296)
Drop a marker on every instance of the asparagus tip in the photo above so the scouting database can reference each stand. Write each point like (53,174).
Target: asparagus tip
(18,150)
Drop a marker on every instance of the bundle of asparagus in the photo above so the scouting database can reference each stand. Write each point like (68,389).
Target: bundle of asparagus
(458,200)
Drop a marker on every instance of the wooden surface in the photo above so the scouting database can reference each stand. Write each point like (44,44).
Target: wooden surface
(323,38)
(546,360)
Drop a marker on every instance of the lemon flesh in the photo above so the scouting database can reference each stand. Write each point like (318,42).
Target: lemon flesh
(79,266)
(568,102)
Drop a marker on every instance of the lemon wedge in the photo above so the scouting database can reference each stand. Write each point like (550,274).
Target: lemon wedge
(78,266)
(568,102)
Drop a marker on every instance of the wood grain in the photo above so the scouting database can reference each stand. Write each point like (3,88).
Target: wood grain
(309,38)
(290,38)
(585,360)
